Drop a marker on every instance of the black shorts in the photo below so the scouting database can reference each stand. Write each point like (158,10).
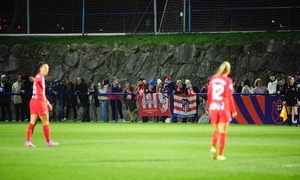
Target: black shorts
(292,102)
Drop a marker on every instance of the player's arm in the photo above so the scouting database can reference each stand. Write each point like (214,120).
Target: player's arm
(49,105)
(32,79)
(231,101)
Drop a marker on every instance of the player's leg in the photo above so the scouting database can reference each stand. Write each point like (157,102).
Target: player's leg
(215,134)
(214,140)
(289,111)
(45,121)
(296,115)
(222,127)
(33,120)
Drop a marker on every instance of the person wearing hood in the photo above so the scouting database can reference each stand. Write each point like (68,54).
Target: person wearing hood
(258,88)
(272,85)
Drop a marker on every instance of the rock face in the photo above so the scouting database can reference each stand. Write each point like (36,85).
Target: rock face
(194,62)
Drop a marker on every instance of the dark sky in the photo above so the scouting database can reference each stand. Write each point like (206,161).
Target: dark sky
(7,6)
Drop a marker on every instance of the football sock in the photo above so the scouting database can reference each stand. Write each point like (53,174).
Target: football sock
(214,138)
(46,130)
(222,143)
(29,132)
(290,119)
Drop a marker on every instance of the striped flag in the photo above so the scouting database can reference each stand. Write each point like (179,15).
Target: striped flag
(185,106)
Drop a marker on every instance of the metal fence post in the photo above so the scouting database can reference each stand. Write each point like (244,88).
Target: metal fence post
(83,18)
(116,107)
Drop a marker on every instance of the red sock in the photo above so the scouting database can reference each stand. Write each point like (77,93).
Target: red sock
(29,132)
(222,143)
(214,138)
(46,130)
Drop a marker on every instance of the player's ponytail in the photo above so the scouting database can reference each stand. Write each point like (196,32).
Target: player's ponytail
(224,68)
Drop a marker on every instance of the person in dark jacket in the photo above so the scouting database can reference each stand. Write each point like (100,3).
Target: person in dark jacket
(116,88)
(71,99)
(58,89)
(26,90)
(81,91)
(292,100)
(5,100)
(93,100)
(130,102)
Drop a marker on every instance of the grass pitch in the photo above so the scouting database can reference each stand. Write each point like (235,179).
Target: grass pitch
(149,151)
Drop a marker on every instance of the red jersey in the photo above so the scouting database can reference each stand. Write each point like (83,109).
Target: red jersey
(219,94)
(38,92)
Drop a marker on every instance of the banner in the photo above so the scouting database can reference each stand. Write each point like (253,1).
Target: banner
(258,109)
(156,104)
(185,106)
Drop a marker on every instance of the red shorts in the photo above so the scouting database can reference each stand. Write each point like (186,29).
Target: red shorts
(38,107)
(219,116)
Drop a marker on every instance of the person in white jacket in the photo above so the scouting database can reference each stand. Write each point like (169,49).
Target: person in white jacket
(272,84)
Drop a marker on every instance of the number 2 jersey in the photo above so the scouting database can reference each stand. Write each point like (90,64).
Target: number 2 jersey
(219,95)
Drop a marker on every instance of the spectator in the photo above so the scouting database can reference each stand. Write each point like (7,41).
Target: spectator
(292,100)
(240,87)
(272,84)
(104,99)
(160,86)
(70,98)
(297,81)
(234,85)
(26,91)
(152,86)
(81,90)
(5,100)
(205,90)
(93,100)
(17,100)
(193,90)
(169,85)
(247,88)
(130,102)
(180,89)
(258,88)
(140,90)
(58,88)
(281,86)
(116,88)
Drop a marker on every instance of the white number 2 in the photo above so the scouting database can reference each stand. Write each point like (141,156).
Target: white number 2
(217,91)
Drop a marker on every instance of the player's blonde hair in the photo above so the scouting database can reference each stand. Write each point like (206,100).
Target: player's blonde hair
(224,68)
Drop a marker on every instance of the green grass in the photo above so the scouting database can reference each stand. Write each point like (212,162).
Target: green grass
(149,151)
(223,39)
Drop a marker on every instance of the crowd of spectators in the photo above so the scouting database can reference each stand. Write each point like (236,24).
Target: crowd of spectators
(68,97)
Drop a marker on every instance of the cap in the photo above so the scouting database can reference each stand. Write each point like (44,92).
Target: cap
(152,82)
(178,81)
(141,79)
(168,79)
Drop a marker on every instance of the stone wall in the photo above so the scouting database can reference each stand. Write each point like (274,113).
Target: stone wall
(129,63)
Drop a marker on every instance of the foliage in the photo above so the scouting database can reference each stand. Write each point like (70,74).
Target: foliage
(227,39)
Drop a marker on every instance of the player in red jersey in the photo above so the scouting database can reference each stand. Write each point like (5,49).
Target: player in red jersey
(39,107)
(220,105)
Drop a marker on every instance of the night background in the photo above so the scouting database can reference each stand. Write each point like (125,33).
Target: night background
(136,16)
